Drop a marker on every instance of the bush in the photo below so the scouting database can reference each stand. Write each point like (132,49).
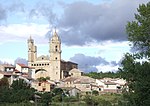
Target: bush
(94,92)
(57,98)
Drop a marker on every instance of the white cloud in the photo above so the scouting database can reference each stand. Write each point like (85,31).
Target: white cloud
(26,29)
(107,68)
(22,31)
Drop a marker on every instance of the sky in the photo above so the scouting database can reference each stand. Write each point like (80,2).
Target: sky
(92,32)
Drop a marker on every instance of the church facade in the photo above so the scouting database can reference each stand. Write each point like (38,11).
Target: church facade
(50,66)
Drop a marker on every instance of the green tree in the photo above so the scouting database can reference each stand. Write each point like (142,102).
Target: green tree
(57,91)
(138,73)
(94,92)
(46,98)
(21,91)
(4,82)
(20,84)
(139,30)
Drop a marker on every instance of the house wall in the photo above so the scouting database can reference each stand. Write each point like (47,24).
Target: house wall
(1,75)
(25,70)
(75,74)
(83,87)
(74,92)
(18,67)
(43,86)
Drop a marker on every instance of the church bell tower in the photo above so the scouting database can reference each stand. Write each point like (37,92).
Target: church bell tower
(55,56)
(32,51)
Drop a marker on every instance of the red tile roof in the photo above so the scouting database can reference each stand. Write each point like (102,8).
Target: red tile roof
(8,65)
(23,65)
(6,73)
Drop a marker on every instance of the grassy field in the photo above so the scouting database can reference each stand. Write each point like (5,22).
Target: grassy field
(111,98)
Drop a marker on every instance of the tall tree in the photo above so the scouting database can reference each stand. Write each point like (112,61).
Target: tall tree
(139,30)
(138,73)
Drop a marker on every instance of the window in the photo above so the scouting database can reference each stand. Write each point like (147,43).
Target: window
(39,84)
(44,89)
(87,86)
(56,48)
(107,86)
(56,72)
(56,58)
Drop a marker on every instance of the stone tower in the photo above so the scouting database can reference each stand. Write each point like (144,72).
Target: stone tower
(55,56)
(32,51)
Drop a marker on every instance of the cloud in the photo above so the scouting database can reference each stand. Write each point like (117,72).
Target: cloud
(88,63)
(94,64)
(6,9)
(21,61)
(3,14)
(21,32)
(87,22)
(16,5)
(44,10)
(107,68)
(1,62)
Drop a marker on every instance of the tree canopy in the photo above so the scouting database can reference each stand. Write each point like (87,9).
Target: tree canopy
(139,30)
(134,69)
(19,92)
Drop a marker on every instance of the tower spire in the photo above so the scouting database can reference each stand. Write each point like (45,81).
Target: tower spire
(55,29)
(30,37)
(55,33)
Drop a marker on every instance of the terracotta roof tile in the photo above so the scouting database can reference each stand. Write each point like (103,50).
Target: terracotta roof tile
(23,65)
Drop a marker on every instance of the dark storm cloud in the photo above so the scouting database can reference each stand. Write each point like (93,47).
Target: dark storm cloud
(87,22)
(88,63)
(21,61)
(113,63)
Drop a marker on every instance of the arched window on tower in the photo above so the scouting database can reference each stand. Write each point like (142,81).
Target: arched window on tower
(56,48)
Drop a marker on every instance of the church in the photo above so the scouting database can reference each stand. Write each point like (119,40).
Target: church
(49,66)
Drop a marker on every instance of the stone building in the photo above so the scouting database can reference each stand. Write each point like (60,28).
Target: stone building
(52,65)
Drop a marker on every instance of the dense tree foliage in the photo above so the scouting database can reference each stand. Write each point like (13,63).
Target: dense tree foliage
(20,91)
(138,73)
(4,82)
(139,30)
(103,75)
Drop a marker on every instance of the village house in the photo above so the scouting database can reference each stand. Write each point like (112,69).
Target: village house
(110,85)
(71,91)
(83,83)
